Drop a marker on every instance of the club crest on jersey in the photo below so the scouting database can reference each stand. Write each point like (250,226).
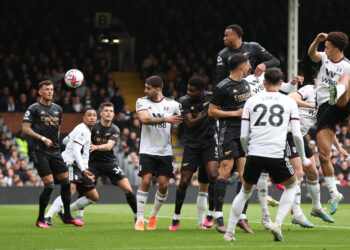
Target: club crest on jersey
(97,132)
(42,112)
(235,91)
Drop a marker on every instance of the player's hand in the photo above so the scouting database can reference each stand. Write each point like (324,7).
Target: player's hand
(343,152)
(312,105)
(306,162)
(260,69)
(48,143)
(297,79)
(89,175)
(321,37)
(237,113)
(175,119)
(93,147)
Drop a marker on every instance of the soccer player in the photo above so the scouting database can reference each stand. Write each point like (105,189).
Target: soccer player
(76,156)
(199,151)
(42,122)
(259,58)
(102,160)
(333,94)
(156,114)
(226,105)
(265,121)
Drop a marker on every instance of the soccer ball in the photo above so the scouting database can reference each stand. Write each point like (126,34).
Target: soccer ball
(74,78)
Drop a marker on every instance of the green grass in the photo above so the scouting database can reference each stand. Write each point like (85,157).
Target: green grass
(111,227)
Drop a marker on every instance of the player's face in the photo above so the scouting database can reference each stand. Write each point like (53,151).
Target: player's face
(229,38)
(246,68)
(90,117)
(151,92)
(46,92)
(330,50)
(193,93)
(107,114)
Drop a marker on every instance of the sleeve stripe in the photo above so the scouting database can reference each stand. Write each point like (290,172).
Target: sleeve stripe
(246,119)
(294,118)
(79,143)
(302,97)
(141,109)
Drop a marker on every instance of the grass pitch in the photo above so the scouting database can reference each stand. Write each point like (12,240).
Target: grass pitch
(111,227)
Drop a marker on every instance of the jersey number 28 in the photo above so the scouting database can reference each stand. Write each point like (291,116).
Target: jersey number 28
(275,118)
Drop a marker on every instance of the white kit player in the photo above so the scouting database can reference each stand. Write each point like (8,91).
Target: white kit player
(333,95)
(80,177)
(156,114)
(265,120)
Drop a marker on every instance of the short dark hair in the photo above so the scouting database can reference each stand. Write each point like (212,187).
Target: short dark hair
(106,104)
(155,81)
(46,83)
(86,110)
(273,76)
(236,60)
(236,28)
(338,39)
(197,82)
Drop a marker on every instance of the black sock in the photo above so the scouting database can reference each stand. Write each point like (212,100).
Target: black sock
(44,200)
(65,196)
(211,196)
(220,191)
(239,187)
(180,197)
(131,199)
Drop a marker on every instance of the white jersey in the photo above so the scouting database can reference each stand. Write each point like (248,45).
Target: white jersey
(156,139)
(81,134)
(307,115)
(269,114)
(256,84)
(329,74)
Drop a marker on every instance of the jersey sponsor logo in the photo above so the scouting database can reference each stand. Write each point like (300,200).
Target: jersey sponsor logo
(330,73)
(50,120)
(116,135)
(242,98)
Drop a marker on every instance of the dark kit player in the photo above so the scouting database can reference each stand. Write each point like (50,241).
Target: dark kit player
(42,122)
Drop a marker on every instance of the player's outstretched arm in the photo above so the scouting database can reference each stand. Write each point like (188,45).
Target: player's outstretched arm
(245,129)
(313,53)
(216,112)
(300,102)
(299,142)
(147,119)
(102,147)
(27,130)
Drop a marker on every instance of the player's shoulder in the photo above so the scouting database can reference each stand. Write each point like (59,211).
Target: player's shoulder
(223,52)
(251,44)
(170,101)
(184,99)
(208,94)
(346,60)
(142,99)
(223,83)
(114,128)
(56,106)
(35,105)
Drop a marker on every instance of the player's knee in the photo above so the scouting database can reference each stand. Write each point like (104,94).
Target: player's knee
(94,197)
(184,182)
(212,178)
(50,185)
(163,187)
(323,156)
(65,182)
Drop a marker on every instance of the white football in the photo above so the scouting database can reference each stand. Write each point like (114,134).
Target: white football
(74,78)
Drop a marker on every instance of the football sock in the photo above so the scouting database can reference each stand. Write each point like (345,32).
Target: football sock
(180,197)
(202,200)
(314,189)
(80,204)
(176,217)
(263,192)
(286,202)
(65,195)
(55,207)
(220,191)
(141,198)
(340,90)
(244,211)
(237,207)
(211,196)
(330,182)
(44,199)
(158,203)
(80,213)
(131,199)
(296,205)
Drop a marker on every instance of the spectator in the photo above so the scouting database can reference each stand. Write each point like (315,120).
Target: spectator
(111,87)
(118,100)
(67,105)
(77,106)
(22,144)
(127,113)
(32,181)
(22,104)
(22,170)
(87,100)
(10,104)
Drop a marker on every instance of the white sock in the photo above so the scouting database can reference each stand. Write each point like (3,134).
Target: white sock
(237,208)
(176,217)
(286,202)
(141,198)
(314,189)
(296,205)
(211,213)
(158,203)
(55,207)
(80,203)
(262,193)
(218,215)
(340,90)
(330,182)
(202,200)
(80,213)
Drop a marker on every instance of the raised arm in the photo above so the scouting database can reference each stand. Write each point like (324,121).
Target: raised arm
(313,53)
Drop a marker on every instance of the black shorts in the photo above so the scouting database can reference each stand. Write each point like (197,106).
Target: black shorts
(229,144)
(47,164)
(109,169)
(291,149)
(307,149)
(328,116)
(76,176)
(194,158)
(156,165)
(278,169)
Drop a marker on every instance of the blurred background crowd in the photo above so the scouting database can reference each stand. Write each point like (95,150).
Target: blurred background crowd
(176,40)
